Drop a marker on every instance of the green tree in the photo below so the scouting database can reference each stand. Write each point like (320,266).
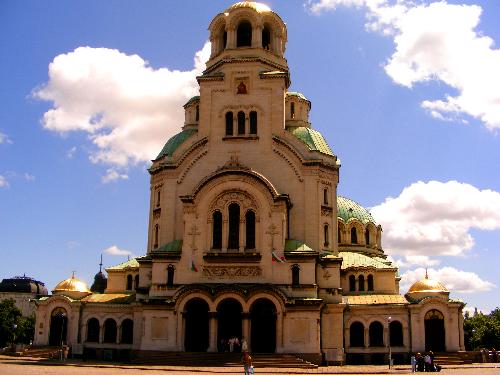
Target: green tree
(482,331)
(14,328)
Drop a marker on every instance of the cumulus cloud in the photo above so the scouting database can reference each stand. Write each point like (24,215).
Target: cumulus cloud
(4,138)
(3,182)
(115,250)
(414,260)
(113,175)
(437,41)
(127,108)
(453,279)
(435,218)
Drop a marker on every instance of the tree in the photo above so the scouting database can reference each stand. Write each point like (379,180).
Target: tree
(482,331)
(14,328)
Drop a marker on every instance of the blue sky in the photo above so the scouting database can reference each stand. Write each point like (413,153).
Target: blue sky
(407,95)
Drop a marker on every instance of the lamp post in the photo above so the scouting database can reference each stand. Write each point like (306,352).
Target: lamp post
(389,319)
(14,328)
(63,316)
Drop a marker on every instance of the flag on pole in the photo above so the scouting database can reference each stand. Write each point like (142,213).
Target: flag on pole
(277,258)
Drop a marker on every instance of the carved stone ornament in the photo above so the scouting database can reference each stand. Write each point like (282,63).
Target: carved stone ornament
(326,274)
(246,202)
(230,272)
(326,211)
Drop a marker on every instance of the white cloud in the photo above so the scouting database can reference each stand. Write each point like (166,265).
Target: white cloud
(72,244)
(29,177)
(114,250)
(453,279)
(3,182)
(414,260)
(435,218)
(438,41)
(128,108)
(113,175)
(4,138)
(71,152)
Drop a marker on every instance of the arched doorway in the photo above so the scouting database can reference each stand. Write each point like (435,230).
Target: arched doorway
(434,331)
(58,326)
(263,326)
(196,326)
(228,321)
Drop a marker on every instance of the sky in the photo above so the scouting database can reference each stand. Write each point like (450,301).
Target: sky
(407,94)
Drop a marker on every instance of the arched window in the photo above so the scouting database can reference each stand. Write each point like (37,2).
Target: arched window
(266,38)
(129,282)
(110,331)
(370,283)
(253,122)
(339,234)
(244,35)
(197,113)
(354,235)
(224,40)
(361,283)
(93,330)
(357,334)
(127,331)
(136,281)
(229,123)
(234,226)
(325,235)
(241,123)
(158,196)
(376,333)
(250,229)
(352,283)
(170,275)
(325,197)
(396,333)
(156,235)
(217,230)
(292,109)
(295,275)
(367,236)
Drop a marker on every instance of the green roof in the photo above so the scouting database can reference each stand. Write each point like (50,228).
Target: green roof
(298,95)
(174,246)
(312,138)
(132,263)
(354,260)
(296,245)
(174,142)
(192,100)
(348,209)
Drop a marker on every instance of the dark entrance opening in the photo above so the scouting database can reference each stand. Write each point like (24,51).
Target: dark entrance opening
(434,331)
(244,34)
(58,327)
(228,322)
(263,326)
(196,323)
(234,227)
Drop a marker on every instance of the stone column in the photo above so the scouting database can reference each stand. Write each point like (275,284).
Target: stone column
(367,337)
(242,235)
(225,234)
(257,36)
(101,334)
(212,316)
(279,333)
(231,37)
(245,325)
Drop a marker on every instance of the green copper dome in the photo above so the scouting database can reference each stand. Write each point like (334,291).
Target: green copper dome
(192,100)
(312,138)
(174,142)
(348,209)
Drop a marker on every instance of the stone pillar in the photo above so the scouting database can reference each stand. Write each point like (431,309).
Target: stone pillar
(231,37)
(367,337)
(242,235)
(101,334)
(212,316)
(279,333)
(257,36)
(225,235)
(245,326)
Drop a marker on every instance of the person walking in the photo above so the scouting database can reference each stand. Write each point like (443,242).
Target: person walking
(247,363)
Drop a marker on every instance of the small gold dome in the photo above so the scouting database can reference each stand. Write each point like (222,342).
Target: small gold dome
(72,287)
(258,7)
(427,285)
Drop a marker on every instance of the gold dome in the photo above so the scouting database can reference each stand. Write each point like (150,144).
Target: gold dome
(258,7)
(72,285)
(427,286)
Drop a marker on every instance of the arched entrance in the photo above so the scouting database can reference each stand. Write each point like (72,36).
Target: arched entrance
(228,321)
(58,326)
(434,331)
(196,326)
(263,326)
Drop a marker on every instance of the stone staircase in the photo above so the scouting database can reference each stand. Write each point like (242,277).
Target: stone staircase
(221,360)
(452,358)
(37,352)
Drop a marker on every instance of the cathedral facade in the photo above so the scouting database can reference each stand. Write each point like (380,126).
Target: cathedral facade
(247,236)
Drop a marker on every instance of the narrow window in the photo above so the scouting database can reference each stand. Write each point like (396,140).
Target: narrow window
(292,109)
(244,35)
(93,330)
(241,123)
(396,333)
(370,283)
(127,332)
(266,38)
(295,275)
(339,235)
(354,235)
(250,229)
(361,283)
(110,331)
(325,197)
(158,196)
(156,235)
(376,334)
(352,283)
(136,282)
(234,226)
(224,40)
(367,236)
(325,234)
(170,275)
(217,230)
(129,282)
(357,334)
(253,122)
(197,113)
(229,123)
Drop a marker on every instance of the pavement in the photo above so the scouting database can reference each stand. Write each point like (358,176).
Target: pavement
(27,366)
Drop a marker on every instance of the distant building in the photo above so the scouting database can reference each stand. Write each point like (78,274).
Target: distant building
(247,236)
(21,289)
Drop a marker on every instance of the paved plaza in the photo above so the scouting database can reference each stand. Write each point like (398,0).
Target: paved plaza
(29,366)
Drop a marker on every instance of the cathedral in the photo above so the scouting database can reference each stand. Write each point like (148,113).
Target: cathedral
(248,238)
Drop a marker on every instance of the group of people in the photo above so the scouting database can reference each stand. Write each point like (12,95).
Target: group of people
(424,363)
(233,345)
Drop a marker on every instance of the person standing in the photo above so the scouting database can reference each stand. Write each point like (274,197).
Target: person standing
(244,345)
(247,363)
(413,362)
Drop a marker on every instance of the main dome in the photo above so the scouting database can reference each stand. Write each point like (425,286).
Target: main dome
(72,287)
(427,288)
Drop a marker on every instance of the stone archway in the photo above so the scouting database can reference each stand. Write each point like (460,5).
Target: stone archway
(58,327)
(196,325)
(263,326)
(228,322)
(434,331)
